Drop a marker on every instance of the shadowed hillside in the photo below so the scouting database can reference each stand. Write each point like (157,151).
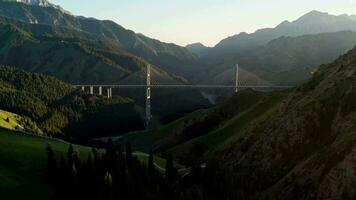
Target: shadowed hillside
(306,148)
(58,108)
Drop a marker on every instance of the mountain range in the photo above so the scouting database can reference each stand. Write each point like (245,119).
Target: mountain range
(195,63)
(271,55)
(286,60)
(172,58)
(314,22)
(109,53)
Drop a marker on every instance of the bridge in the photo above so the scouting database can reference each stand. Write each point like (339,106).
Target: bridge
(148,86)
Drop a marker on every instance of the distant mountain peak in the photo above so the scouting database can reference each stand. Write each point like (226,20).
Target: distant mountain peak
(197,44)
(197,48)
(313,15)
(42,3)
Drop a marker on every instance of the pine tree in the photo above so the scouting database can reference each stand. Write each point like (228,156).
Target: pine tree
(70,155)
(170,171)
(91,164)
(128,152)
(62,164)
(76,158)
(151,162)
(108,184)
(110,149)
(51,162)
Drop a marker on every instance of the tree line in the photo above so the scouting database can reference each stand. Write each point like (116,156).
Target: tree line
(119,174)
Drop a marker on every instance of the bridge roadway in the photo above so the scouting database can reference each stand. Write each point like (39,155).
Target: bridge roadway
(190,86)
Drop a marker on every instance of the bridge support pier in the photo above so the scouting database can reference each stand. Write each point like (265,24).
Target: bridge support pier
(109,93)
(91,90)
(100,91)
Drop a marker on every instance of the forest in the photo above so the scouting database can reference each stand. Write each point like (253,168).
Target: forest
(118,174)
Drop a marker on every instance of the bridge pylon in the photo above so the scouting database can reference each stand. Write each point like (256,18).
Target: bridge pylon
(148,96)
(237,81)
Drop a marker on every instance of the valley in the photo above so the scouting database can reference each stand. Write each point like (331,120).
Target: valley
(268,114)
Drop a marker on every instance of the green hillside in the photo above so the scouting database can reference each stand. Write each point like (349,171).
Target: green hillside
(199,134)
(23,164)
(15,122)
(59,109)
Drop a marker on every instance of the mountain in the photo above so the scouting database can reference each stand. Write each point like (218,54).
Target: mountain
(43,3)
(69,55)
(61,110)
(298,144)
(198,48)
(305,149)
(314,22)
(170,57)
(286,60)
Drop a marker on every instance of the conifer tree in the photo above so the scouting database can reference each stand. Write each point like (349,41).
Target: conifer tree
(151,162)
(51,162)
(62,164)
(170,171)
(70,152)
(128,152)
(108,184)
(91,164)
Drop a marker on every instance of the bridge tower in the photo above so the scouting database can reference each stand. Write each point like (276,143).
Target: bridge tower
(148,95)
(237,81)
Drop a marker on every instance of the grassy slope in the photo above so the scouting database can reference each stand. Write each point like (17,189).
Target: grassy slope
(23,161)
(229,130)
(13,121)
(210,129)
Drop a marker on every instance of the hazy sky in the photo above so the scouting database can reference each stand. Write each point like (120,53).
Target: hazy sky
(207,21)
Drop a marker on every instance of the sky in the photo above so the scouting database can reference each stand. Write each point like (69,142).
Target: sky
(207,21)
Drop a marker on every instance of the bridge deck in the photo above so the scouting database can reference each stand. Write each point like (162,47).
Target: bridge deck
(190,86)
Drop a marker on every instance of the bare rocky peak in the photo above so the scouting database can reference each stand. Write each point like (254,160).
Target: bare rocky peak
(42,3)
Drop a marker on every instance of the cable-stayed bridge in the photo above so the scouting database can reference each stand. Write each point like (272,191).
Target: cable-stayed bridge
(148,86)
